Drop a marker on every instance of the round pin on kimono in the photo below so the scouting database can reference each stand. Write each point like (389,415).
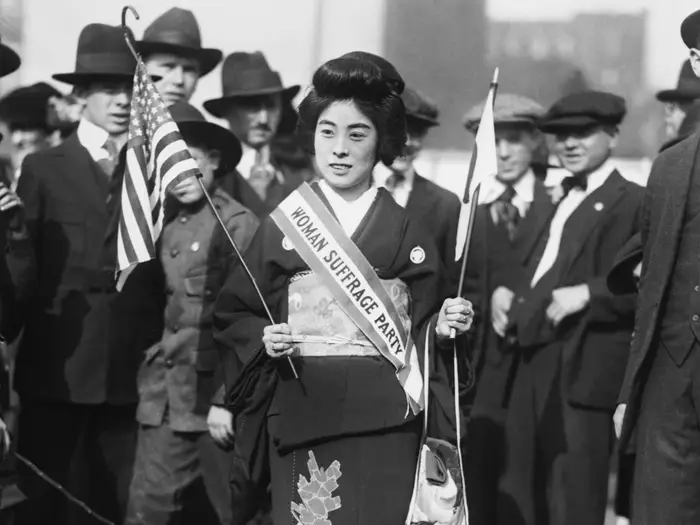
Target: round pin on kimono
(417,255)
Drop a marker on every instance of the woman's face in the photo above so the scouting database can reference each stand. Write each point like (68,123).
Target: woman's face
(346,146)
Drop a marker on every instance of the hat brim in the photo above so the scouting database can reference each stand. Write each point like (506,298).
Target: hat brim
(678,95)
(9,60)
(422,120)
(690,30)
(79,79)
(217,106)
(214,137)
(574,122)
(523,122)
(208,58)
(620,279)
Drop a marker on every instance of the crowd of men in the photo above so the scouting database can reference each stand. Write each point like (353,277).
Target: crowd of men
(120,393)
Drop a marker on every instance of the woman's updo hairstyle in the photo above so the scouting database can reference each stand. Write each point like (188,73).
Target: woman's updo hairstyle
(366,83)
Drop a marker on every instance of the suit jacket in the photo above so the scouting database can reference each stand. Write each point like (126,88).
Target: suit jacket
(437,209)
(494,261)
(295,166)
(662,223)
(596,339)
(83,341)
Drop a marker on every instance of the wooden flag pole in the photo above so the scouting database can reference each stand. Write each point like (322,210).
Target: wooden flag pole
(474,202)
(128,38)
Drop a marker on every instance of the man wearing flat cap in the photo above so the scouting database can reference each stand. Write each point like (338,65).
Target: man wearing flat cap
(425,201)
(252,100)
(570,332)
(172,50)
(660,394)
(78,359)
(510,207)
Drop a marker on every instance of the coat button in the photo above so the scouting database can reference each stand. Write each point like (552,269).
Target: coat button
(697,288)
(176,327)
(208,293)
(696,318)
(183,220)
(174,252)
(169,363)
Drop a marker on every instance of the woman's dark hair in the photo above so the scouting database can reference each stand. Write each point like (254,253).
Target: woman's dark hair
(364,83)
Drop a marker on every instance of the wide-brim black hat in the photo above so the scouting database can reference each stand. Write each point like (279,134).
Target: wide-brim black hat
(621,279)
(687,88)
(247,75)
(9,60)
(177,31)
(195,127)
(102,55)
(28,106)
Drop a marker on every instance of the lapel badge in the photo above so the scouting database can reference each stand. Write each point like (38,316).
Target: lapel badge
(287,244)
(598,206)
(195,246)
(417,255)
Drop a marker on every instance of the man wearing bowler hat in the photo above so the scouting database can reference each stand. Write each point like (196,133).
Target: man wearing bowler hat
(181,474)
(172,50)
(252,100)
(569,331)
(83,342)
(424,200)
(661,392)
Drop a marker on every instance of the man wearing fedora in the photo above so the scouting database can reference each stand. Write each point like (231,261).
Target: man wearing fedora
(83,342)
(661,391)
(252,100)
(172,50)
(180,472)
(425,201)
(677,102)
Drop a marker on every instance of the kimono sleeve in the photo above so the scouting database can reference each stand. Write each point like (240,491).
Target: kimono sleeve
(239,313)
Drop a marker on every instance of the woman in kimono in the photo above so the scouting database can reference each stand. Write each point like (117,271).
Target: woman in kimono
(344,435)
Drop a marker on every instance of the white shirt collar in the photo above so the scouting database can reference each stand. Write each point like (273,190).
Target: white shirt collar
(349,213)
(245,165)
(381,174)
(93,139)
(598,177)
(524,189)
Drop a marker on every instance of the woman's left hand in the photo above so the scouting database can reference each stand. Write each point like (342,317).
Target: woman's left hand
(456,314)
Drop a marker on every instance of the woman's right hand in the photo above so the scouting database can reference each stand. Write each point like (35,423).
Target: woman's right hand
(278,340)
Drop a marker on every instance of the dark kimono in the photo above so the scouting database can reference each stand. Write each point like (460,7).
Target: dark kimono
(342,445)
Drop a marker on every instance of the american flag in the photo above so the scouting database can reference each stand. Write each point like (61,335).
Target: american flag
(157,159)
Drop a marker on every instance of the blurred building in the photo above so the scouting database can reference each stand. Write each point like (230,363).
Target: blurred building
(607,51)
(441,51)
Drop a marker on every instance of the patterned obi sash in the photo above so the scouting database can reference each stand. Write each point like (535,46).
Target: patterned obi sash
(322,329)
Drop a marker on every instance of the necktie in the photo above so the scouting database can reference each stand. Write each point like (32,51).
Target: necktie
(262,173)
(108,164)
(505,212)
